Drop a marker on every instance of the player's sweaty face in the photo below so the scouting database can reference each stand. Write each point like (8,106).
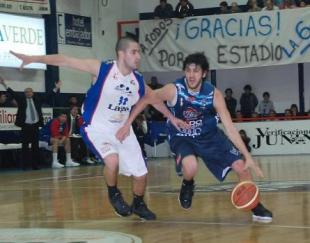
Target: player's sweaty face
(194,75)
(132,55)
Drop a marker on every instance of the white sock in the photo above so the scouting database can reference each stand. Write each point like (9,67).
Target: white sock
(68,157)
(54,157)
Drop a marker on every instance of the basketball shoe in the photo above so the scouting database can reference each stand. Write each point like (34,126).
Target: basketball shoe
(186,194)
(261,214)
(120,206)
(139,208)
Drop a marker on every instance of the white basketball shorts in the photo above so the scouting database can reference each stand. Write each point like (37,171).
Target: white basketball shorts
(104,142)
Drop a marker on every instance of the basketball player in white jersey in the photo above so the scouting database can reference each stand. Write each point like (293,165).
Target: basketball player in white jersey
(107,105)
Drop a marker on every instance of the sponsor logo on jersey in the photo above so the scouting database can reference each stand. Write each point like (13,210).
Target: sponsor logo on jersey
(191,114)
(124,89)
(122,105)
(118,108)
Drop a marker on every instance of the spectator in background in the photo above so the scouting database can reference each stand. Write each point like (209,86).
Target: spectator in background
(304,3)
(29,118)
(184,9)
(224,8)
(78,147)
(286,4)
(294,110)
(164,10)
(54,98)
(59,132)
(140,129)
(248,101)
(246,140)
(73,101)
(252,6)
(231,102)
(266,105)
(269,6)
(5,101)
(260,3)
(235,8)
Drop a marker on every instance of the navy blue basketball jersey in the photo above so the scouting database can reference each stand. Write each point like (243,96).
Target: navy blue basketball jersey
(196,108)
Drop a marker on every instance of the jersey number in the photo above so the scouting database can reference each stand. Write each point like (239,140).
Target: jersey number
(122,100)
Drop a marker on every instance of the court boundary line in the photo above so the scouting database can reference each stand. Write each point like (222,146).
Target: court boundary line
(177,222)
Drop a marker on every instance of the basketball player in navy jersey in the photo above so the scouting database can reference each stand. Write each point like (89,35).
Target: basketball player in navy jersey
(117,87)
(194,100)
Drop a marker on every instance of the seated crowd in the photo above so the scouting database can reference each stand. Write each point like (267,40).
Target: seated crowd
(60,132)
(185,8)
(266,109)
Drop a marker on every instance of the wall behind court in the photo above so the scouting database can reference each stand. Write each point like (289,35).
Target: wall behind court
(104,36)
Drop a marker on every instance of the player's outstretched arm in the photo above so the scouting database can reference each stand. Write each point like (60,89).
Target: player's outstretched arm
(86,65)
(233,134)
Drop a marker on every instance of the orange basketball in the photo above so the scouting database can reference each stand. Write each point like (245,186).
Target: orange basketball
(245,195)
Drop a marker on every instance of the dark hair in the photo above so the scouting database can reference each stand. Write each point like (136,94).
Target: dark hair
(123,43)
(295,106)
(60,112)
(228,89)
(247,87)
(197,58)
(223,4)
(266,93)
(243,131)
(154,79)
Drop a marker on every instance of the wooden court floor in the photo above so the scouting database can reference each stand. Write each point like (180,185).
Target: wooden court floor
(76,198)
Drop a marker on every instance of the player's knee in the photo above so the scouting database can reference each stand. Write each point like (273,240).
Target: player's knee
(111,162)
(190,168)
(111,169)
(238,166)
(140,178)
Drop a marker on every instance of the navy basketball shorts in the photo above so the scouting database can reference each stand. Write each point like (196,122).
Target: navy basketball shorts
(216,150)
